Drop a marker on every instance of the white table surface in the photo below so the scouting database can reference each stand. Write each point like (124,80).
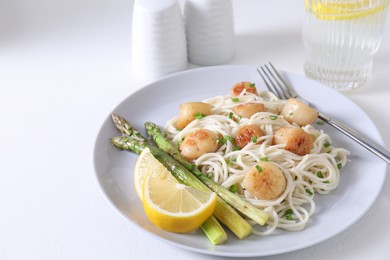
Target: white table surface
(64,65)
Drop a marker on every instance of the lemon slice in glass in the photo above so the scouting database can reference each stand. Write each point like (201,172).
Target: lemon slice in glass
(331,10)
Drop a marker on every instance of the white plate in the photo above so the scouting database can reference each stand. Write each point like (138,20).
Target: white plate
(361,180)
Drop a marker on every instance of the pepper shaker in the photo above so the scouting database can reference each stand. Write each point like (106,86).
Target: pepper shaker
(159,44)
(210,31)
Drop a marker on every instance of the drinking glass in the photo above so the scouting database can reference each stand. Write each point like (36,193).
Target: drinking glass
(341,38)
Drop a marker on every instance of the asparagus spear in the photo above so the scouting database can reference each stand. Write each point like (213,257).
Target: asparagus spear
(136,142)
(241,205)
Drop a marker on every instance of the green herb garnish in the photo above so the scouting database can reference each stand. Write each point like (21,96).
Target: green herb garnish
(221,140)
(309,192)
(254,139)
(234,188)
(199,115)
(258,168)
(229,138)
(288,214)
(320,175)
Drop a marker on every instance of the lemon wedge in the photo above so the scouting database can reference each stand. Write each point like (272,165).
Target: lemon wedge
(170,205)
(175,207)
(325,10)
(146,165)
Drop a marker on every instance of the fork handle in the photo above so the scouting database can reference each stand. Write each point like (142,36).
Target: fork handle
(365,142)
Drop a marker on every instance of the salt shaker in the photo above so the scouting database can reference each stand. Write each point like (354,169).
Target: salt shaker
(210,31)
(159,44)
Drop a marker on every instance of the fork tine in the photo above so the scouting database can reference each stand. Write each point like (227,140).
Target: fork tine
(269,83)
(290,90)
(266,82)
(278,83)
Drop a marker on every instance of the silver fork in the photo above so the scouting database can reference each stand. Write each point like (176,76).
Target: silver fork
(283,90)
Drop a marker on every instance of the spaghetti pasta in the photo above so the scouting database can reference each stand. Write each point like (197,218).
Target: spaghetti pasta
(315,172)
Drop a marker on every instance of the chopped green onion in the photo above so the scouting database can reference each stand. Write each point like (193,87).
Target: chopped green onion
(234,188)
(221,140)
(254,139)
(236,148)
(258,168)
(264,159)
(210,174)
(326,144)
(229,138)
(273,117)
(320,175)
(230,115)
(339,166)
(199,115)
(309,192)
(320,122)
(235,99)
(227,160)
(252,85)
(288,214)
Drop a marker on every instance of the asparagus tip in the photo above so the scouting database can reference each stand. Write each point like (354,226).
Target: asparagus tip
(122,124)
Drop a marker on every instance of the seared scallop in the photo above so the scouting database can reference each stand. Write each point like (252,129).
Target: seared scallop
(189,111)
(199,142)
(300,113)
(265,181)
(239,87)
(295,140)
(248,134)
(248,109)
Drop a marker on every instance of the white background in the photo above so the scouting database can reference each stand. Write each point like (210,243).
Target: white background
(64,65)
